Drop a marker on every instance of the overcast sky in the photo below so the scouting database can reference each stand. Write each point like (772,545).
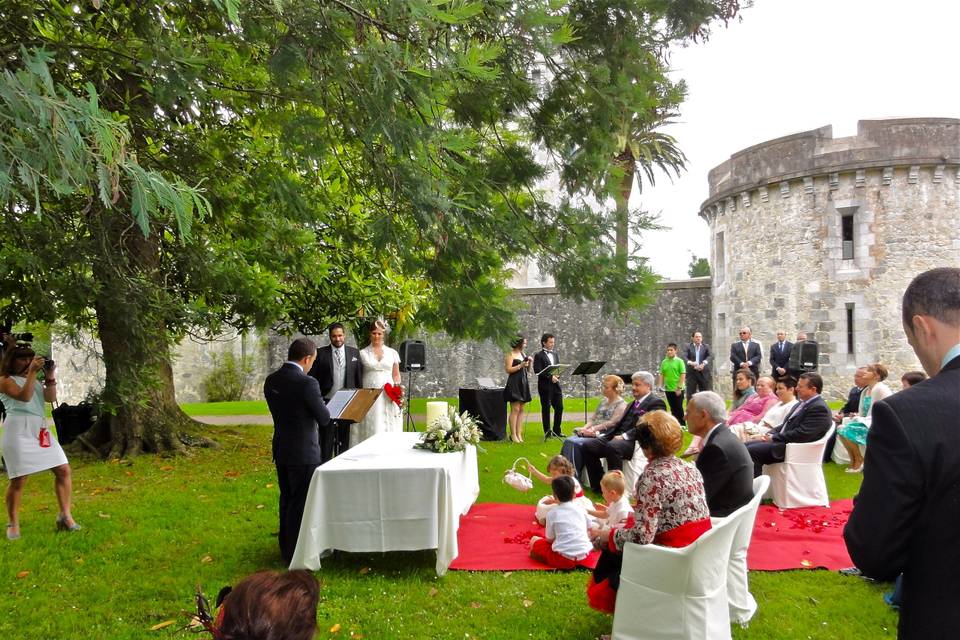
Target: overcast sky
(795,65)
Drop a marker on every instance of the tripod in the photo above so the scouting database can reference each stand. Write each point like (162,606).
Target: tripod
(409,424)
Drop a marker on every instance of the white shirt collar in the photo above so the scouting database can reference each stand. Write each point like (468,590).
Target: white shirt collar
(296,364)
(706,438)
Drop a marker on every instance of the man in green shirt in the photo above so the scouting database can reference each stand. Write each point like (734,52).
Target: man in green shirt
(673,374)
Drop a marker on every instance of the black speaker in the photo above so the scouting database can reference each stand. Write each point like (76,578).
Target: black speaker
(805,356)
(413,355)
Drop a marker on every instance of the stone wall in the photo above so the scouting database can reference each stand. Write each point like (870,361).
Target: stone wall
(780,263)
(583,333)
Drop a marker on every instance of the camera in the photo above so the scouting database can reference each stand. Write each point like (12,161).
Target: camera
(48,364)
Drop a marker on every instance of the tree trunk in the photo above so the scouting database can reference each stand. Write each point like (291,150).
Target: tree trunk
(622,199)
(138,395)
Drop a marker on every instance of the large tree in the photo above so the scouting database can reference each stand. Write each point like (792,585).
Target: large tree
(353,158)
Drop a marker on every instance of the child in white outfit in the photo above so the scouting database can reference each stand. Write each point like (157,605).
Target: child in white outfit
(617,508)
(558,466)
(567,540)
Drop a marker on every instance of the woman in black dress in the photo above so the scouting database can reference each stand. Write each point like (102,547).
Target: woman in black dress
(517,391)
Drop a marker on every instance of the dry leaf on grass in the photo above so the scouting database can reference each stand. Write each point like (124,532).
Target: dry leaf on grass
(22,574)
(476,605)
(364,571)
(269,485)
(335,628)
(161,625)
(508,574)
(206,559)
(259,506)
(433,591)
(528,603)
(166,468)
(102,514)
(232,474)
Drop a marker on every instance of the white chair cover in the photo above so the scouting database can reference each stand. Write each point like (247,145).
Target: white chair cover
(798,481)
(742,603)
(633,468)
(680,593)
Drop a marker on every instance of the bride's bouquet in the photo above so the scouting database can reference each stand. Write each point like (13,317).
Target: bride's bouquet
(450,432)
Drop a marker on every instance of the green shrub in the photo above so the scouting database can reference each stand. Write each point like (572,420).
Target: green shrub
(229,377)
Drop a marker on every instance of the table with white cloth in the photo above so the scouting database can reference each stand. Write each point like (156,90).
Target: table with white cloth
(384,495)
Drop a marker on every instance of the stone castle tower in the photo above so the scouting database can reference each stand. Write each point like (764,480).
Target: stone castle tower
(821,234)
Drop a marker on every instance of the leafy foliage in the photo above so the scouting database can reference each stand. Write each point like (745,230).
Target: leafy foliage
(699,267)
(229,378)
(351,159)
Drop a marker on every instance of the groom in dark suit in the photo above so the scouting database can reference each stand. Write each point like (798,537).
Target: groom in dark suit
(297,409)
(808,421)
(723,462)
(905,519)
(617,444)
(337,367)
(548,387)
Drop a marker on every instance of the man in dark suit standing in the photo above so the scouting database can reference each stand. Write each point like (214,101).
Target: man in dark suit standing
(905,518)
(697,356)
(746,354)
(807,421)
(723,462)
(780,355)
(548,387)
(337,367)
(617,444)
(297,408)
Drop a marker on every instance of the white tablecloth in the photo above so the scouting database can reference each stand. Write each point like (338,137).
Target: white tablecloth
(384,495)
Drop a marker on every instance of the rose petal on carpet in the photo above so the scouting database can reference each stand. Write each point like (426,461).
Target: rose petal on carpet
(496,537)
(805,538)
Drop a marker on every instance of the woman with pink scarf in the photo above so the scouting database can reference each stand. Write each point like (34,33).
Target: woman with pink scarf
(756,405)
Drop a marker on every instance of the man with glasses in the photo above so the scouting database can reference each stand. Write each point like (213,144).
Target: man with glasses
(746,354)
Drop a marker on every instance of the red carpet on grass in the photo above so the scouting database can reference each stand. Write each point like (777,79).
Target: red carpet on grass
(496,537)
(806,538)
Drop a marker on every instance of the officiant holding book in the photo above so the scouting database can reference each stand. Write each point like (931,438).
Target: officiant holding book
(548,386)
(337,367)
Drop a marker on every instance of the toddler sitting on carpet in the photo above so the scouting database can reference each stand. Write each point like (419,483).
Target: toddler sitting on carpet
(558,466)
(617,509)
(567,541)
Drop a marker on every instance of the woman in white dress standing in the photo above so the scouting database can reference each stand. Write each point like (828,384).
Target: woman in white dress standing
(28,446)
(381,366)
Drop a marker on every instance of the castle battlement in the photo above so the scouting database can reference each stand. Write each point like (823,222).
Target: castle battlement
(879,144)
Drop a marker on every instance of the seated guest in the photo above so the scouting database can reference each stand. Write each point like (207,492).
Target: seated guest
(853,434)
(606,417)
(836,451)
(724,462)
(756,404)
(566,541)
(911,378)
(617,507)
(743,388)
(743,393)
(269,605)
(671,507)
(617,444)
(774,416)
(807,422)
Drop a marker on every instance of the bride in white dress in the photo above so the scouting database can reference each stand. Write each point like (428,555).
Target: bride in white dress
(381,365)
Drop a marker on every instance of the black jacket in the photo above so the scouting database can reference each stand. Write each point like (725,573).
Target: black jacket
(630,417)
(297,408)
(806,424)
(322,369)
(727,472)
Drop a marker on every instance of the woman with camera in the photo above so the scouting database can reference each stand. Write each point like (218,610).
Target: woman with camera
(28,446)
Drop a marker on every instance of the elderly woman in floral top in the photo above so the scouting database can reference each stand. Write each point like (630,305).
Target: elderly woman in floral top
(671,507)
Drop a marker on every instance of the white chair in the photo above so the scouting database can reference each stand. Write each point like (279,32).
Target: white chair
(633,468)
(742,603)
(676,594)
(798,480)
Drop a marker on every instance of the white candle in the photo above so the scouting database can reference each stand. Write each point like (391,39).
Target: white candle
(435,410)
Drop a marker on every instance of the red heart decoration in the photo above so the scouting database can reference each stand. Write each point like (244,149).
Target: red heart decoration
(394,392)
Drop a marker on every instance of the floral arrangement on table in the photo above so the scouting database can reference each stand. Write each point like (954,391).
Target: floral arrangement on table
(450,432)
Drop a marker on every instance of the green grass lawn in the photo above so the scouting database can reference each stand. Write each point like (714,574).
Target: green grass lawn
(155,527)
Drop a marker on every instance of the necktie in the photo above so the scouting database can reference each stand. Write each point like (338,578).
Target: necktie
(339,356)
(781,347)
(697,358)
